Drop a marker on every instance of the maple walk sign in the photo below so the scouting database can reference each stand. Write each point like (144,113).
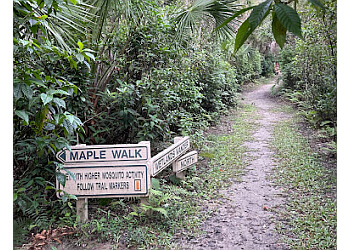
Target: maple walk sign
(120,170)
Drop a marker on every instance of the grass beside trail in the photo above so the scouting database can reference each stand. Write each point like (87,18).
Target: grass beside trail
(309,216)
(174,208)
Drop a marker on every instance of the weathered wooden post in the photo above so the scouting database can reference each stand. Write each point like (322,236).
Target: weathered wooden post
(82,209)
(180,175)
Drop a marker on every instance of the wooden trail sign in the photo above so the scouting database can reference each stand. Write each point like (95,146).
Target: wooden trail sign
(169,155)
(105,171)
(107,181)
(121,170)
(185,161)
(82,154)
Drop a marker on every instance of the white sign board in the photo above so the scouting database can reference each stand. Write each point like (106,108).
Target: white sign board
(82,154)
(185,161)
(107,181)
(169,155)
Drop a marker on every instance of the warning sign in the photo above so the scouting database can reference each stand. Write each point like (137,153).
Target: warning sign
(107,181)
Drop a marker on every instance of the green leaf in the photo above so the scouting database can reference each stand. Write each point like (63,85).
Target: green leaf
(73,64)
(238,13)
(43,17)
(155,184)
(87,65)
(289,18)
(50,126)
(246,29)
(71,175)
(241,35)
(15,196)
(48,3)
(46,98)
(64,198)
(81,45)
(27,91)
(279,31)
(258,13)
(59,102)
(57,91)
(23,115)
(74,2)
(90,55)
(17,91)
(61,178)
(134,214)
(317,3)
(80,57)
(68,126)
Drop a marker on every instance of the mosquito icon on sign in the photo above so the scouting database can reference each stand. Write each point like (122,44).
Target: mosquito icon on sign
(137,185)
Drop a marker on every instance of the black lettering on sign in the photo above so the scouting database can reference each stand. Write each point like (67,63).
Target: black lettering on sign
(119,185)
(82,156)
(90,154)
(85,186)
(187,162)
(74,156)
(101,186)
(182,147)
(134,174)
(126,154)
(113,175)
(92,175)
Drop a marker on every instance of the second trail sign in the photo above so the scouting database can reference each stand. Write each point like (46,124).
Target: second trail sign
(170,155)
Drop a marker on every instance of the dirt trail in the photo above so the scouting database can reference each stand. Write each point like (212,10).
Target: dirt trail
(244,220)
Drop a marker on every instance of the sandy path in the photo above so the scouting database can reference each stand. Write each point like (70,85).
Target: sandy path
(244,220)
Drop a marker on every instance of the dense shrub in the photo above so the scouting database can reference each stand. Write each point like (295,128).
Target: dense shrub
(248,64)
(267,65)
(309,65)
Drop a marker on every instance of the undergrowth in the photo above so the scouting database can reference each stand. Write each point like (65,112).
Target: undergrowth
(308,219)
(173,209)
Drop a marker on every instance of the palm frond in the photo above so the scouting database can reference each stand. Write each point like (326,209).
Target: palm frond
(65,25)
(218,11)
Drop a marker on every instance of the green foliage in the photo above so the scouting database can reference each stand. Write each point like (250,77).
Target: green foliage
(187,20)
(43,86)
(309,66)
(158,89)
(248,63)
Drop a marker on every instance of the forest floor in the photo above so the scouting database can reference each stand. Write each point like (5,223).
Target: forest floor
(243,219)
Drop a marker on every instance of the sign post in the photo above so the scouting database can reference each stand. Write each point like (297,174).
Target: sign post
(82,209)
